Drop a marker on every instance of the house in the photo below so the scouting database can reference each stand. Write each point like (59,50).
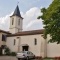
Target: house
(18,40)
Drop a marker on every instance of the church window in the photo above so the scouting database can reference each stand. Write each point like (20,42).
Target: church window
(3,37)
(19,22)
(3,46)
(35,41)
(12,21)
(14,41)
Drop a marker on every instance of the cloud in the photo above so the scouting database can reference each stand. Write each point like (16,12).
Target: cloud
(35,24)
(5,21)
(30,21)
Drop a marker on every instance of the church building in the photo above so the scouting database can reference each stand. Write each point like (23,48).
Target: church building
(18,40)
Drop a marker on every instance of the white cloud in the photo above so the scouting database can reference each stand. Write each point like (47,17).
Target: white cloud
(30,21)
(5,21)
(34,24)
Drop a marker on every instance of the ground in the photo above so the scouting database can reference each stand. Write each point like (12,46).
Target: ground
(8,58)
(14,58)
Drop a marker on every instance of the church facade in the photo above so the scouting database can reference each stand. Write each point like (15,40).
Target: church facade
(18,40)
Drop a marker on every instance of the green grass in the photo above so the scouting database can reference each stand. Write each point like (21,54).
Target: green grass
(48,59)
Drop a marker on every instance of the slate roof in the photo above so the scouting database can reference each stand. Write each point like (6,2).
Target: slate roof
(17,12)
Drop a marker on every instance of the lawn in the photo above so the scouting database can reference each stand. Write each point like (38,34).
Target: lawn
(48,59)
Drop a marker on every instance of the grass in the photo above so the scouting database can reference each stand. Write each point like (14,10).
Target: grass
(48,59)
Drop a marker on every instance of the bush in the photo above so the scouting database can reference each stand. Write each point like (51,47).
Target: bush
(13,54)
(7,51)
(0,51)
(57,58)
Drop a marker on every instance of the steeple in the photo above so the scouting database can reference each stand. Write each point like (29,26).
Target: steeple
(16,21)
(17,12)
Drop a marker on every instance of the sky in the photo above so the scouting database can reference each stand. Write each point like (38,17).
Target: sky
(29,9)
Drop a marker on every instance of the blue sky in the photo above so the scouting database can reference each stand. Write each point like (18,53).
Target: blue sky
(7,6)
(30,10)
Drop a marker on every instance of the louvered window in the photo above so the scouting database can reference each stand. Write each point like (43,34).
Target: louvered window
(12,21)
(19,22)
(35,41)
(14,41)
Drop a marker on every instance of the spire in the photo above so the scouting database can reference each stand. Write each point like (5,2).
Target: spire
(17,12)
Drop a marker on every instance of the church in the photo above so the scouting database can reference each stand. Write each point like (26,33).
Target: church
(18,40)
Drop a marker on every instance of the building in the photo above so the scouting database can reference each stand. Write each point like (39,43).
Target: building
(18,40)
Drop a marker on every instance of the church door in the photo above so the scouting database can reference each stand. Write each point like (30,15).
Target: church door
(24,48)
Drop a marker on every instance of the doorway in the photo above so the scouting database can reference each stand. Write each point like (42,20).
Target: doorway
(25,48)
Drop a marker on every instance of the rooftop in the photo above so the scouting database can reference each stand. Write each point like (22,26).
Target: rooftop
(23,33)
(17,12)
(7,32)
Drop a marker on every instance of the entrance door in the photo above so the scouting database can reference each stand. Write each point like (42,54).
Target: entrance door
(25,48)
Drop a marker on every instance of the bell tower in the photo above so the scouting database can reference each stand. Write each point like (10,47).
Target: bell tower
(16,21)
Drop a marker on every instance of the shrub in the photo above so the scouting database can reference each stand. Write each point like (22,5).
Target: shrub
(0,51)
(7,51)
(57,58)
(13,54)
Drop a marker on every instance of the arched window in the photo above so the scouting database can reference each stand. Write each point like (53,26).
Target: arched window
(14,41)
(12,21)
(35,41)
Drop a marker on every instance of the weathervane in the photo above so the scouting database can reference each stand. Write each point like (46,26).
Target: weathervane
(17,2)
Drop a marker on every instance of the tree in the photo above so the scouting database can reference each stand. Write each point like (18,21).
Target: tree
(51,20)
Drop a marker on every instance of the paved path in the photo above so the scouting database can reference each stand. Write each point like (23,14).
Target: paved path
(8,58)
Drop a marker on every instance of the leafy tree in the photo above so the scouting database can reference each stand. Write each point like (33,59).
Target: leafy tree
(51,20)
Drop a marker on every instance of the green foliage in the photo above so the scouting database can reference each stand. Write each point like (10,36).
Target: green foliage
(13,54)
(0,51)
(7,51)
(51,20)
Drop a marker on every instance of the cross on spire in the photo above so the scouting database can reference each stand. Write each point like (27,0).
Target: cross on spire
(17,2)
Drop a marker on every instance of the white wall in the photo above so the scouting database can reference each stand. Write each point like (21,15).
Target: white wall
(10,44)
(28,39)
(53,49)
(15,27)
